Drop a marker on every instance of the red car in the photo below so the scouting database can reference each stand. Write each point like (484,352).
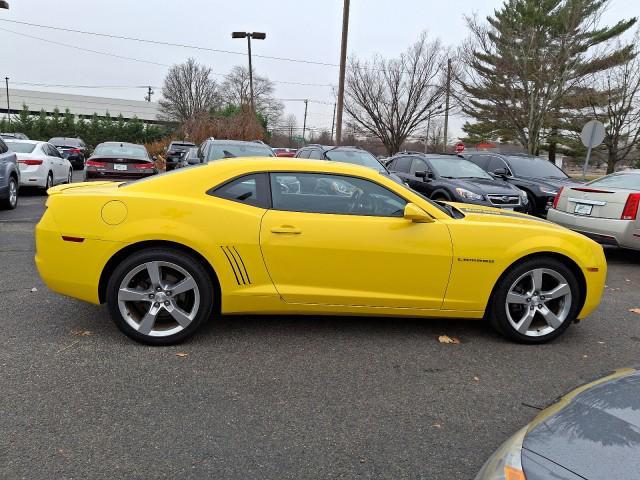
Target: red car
(284,152)
(119,161)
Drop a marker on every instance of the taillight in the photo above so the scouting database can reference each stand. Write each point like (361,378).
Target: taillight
(75,150)
(557,197)
(93,163)
(141,165)
(630,211)
(30,162)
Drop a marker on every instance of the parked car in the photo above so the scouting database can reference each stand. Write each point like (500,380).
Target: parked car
(9,177)
(190,157)
(449,178)
(285,152)
(230,236)
(590,433)
(175,151)
(119,161)
(73,149)
(605,209)
(211,150)
(41,164)
(16,135)
(538,177)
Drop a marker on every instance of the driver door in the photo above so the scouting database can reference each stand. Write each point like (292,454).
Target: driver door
(341,240)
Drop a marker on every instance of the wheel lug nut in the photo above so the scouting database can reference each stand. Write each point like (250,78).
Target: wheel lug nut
(158,289)
(531,307)
(151,295)
(167,303)
(157,304)
(529,299)
(541,297)
(169,293)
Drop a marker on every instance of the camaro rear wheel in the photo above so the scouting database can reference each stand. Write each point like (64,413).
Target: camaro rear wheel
(535,301)
(160,296)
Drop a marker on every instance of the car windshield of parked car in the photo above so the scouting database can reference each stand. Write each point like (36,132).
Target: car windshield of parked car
(20,147)
(356,157)
(230,150)
(65,142)
(626,181)
(457,168)
(122,150)
(535,167)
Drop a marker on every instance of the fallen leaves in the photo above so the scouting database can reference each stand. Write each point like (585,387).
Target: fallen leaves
(476,379)
(82,333)
(182,354)
(34,289)
(448,339)
(635,310)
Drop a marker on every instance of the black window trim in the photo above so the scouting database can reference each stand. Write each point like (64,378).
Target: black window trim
(263,189)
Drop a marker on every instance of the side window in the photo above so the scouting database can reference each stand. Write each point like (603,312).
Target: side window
(402,164)
(303,154)
(333,194)
(480,160)
(3,147)
(315,154)
(419,165)
(250,189)
(495,163)
(54,151)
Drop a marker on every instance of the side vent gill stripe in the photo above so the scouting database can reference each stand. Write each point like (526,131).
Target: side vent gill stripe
(238,269)
(246,273)
(230,264)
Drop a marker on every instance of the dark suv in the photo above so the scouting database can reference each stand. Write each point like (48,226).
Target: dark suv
(537,176)
(450,178)
(71,148)
(175,154)
(9,177)
(211,150)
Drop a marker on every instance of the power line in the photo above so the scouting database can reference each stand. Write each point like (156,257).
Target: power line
(158,42)
(31,84)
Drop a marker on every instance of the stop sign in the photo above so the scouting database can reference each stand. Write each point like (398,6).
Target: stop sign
(459,147)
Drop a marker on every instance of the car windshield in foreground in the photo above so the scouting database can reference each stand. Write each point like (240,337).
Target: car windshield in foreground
(180,146)
(229,150)
(20,147)
(65,142)
(457,168)
(626,181)
(121,150)
(356,157)
(535,167)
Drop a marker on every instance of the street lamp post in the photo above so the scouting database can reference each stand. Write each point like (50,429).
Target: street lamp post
(6,81)
(249,36)
(429,115)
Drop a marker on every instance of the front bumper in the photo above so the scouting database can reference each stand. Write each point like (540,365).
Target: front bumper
(606,231)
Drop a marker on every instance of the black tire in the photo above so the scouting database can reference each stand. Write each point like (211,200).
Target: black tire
(497,309)
(10,202)
(49,184)
(182,259)
(70,177)
(531,206)
(441,196)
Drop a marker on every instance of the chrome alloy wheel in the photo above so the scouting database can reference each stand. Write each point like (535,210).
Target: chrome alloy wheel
(158,299)
(538,302)
(13,193)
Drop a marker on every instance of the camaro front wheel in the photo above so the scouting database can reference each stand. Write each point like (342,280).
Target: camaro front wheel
(535,301)
(160,296)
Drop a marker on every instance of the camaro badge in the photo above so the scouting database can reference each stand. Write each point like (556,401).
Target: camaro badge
(476,260)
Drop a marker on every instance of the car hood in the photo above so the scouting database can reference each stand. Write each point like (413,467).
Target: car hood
(485,186)
(554,183)
(482,214)
(593,431)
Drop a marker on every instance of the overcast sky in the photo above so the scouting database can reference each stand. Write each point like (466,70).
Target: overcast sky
(302,29)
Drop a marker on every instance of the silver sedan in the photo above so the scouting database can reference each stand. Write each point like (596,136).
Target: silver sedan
(605,210)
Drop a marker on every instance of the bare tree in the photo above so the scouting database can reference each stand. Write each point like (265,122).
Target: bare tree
(235,91)
(619,109)
(290,124)
(391,99)
(188,90)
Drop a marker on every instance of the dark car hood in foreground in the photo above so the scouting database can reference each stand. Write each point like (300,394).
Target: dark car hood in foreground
(595,433)
(484,186)
(552,182)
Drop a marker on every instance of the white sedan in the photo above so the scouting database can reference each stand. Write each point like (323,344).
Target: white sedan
(41,164)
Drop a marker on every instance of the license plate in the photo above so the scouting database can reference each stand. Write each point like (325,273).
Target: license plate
(583,209)
(117,166)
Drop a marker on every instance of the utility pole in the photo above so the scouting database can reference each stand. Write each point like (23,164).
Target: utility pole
(149,93)
(304,123)
(446,108)
(249,36)
(343,62)
(333,125)
(6,81)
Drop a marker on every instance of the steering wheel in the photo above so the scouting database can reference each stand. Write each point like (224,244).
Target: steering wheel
(356,201)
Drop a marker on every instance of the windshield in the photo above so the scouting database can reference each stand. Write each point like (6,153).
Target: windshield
(19,147)
(180,146)
(356,157)
(627,181)
(123,150)
(231,150)
(457,168)
(65,142)
(535,167)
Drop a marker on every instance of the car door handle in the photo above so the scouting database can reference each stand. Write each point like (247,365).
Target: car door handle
(286,229)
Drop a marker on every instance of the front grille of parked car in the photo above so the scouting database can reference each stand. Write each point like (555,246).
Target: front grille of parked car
(504,200)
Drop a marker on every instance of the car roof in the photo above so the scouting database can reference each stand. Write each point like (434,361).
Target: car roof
(122,143)
(237,142)
(332,147)
(22,140)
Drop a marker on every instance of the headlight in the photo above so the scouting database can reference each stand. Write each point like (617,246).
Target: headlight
(548,191)
(524,198)
(506,462)
(464,193)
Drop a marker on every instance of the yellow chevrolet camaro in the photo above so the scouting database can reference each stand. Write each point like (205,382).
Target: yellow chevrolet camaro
(292,236)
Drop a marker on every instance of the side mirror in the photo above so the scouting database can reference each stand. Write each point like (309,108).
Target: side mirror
(425,176)
(416,214)
(501,172)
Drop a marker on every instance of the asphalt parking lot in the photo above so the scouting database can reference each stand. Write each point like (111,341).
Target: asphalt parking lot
(274,397)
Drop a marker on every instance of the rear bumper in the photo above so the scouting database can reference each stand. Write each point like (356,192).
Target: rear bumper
(110,175)
(606,231)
